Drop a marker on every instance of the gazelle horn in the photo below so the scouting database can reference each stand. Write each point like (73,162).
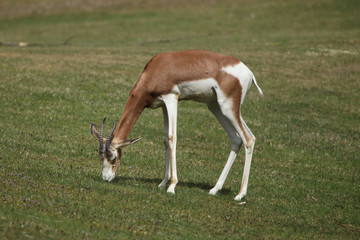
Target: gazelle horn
(101,144)
(108,140)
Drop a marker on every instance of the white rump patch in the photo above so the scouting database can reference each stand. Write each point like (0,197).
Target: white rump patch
(243,74)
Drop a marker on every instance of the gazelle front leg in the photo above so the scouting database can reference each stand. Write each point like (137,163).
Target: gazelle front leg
(167,149)
(171,102)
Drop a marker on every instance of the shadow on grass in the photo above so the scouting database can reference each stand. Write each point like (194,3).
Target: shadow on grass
(202,186)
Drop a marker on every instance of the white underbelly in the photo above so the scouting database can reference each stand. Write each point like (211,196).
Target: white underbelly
(198,90)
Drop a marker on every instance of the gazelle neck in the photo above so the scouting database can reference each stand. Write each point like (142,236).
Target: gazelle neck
(134,107)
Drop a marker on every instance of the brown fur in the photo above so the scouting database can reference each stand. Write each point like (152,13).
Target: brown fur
(166,70)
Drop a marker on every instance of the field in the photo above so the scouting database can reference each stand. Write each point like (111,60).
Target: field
(79,61)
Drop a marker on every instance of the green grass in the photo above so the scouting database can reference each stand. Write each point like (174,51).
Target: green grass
(304,180)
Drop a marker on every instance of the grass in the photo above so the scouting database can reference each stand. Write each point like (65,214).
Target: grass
(304,179)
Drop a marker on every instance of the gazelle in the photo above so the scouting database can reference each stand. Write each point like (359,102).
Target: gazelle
(219,81)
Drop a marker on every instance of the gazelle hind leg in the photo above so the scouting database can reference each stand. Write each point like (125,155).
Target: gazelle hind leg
(246,136)
(171,103)
(167,149)
(249,147)
(235,145)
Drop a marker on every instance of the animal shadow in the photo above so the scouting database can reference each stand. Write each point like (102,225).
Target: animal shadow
(156,181)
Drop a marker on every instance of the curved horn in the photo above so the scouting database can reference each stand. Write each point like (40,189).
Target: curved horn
(109,138)
(101,144)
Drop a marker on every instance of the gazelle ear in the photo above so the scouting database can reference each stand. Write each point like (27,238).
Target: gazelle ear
(128,142)
(94,131)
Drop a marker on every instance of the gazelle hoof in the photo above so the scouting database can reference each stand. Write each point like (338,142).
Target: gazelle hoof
(171,189)
(213,191)
(239,197)
(162,184)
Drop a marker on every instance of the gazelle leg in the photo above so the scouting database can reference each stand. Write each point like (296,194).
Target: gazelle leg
(234,117)
(167,149)
(249,147)
(235,145)
(171,102)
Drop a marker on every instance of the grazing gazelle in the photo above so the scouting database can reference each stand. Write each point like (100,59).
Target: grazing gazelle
(219,81)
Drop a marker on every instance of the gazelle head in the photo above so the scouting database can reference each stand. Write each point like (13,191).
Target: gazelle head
(109,153)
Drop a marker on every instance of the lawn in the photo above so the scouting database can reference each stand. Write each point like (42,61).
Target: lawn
(82,59)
